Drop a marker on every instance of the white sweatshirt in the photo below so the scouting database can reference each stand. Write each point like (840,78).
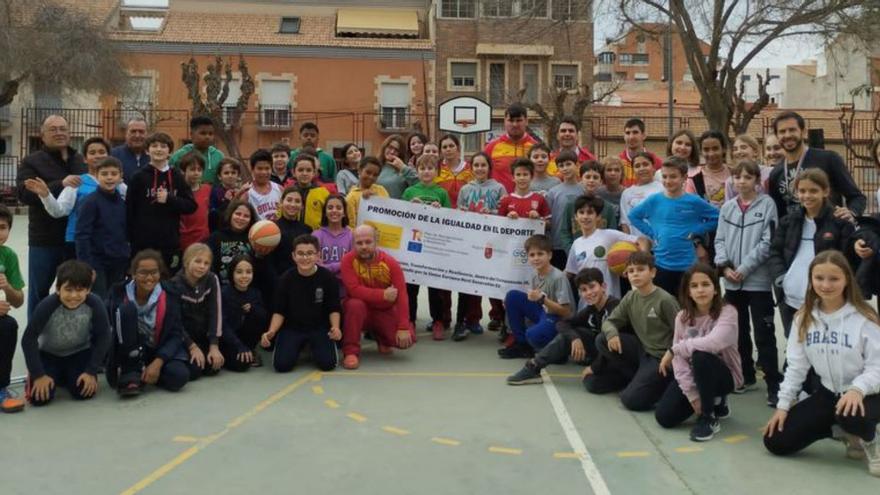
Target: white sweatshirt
(844,349)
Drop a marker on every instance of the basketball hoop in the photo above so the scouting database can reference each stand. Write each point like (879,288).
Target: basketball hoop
(465,123)
(465,115)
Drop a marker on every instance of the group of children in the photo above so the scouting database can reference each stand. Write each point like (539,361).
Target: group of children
(671,335)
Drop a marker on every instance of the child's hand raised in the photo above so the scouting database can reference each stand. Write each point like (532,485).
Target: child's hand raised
(37,186)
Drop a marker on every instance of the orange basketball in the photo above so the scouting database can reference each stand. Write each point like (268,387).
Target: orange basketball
(618,256)
(264,236)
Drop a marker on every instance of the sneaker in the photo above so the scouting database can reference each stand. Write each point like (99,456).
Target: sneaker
(351,362)
(722,409)
(474,327)
(872,454)
(384,349)
(438,331)
(496,325)
(129,389)
(10,402)
(746,386)
(772,395)
(527,375)
(705,429)
(503,334)
(460,333)
(517,350)
(854,449)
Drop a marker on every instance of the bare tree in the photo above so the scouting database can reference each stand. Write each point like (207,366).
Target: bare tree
(737,31)
(60,45)
(860,148)
(564,102)
(210,102)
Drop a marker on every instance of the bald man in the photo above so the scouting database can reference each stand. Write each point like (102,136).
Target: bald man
(58,165)
(377,301)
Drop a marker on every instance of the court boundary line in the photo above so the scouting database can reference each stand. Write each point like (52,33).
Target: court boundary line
(591,471)
(204,443)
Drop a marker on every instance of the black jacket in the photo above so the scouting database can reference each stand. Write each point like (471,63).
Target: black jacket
(831,233)
(868,272)
(234,316)
(47,164)
(152,224)
(169,341)
(842,183)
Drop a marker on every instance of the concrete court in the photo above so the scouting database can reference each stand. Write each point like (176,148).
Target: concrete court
(436,419)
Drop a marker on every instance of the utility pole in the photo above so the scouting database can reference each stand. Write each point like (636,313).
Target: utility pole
(669,82)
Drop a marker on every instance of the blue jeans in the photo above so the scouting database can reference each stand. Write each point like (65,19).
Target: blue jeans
(42,263)
(519,309)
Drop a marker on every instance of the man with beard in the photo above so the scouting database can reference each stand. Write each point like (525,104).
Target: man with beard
(790,130)
(567,134)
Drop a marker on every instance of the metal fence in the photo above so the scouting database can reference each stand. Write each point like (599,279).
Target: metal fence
(8,170)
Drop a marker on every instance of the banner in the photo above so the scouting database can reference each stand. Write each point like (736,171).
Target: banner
(453,249)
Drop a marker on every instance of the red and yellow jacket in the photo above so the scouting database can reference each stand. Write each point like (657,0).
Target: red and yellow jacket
(368,281)
(503,151)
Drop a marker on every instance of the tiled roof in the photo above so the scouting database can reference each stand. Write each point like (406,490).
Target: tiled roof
(262,29)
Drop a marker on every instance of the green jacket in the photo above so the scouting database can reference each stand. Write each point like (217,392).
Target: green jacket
(212,161)
(427,194)
(326,163)
(652,317)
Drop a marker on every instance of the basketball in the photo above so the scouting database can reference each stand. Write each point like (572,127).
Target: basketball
(618,256)
(264,236)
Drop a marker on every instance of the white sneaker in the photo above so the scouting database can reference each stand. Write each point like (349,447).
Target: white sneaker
(872,454)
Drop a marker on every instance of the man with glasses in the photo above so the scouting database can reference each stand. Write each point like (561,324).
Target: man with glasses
(58,165)
(376,302)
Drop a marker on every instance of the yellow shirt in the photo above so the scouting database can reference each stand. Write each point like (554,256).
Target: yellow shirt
(353,201)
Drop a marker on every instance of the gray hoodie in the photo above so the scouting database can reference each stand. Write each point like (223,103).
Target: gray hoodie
(481,197)
(742,242)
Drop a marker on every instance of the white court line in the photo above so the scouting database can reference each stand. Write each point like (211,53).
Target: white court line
(594,477)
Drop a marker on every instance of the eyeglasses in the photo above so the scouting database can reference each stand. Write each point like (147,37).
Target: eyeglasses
(307,254)
(147,273)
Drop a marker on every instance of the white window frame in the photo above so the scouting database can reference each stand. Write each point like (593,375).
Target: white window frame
(400,116)
(231,102)
(276,115)
(538,81)
(485,4)
(577,65)
(450,86)
(520,10)
(476,4)
(489,64)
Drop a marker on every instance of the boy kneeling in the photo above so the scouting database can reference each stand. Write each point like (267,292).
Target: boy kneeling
(576,336)
(66,338)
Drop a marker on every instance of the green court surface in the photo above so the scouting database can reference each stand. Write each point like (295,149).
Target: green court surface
(438,418)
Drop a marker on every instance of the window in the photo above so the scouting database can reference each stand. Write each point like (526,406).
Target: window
(567,10)
(394,105)
(533,8)
(497,8)
(634,59)
(463,75)
(602,77)
(530,81)
(458,8)
(47,96)
(137,99)
(497,84)
(229,112)
(746,78)
(565,76)
(606,58)
(641,76)
(289,25)
(275,104)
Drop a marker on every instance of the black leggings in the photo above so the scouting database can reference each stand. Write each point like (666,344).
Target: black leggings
(8,342)
(810,420)
(712,379)
(634,371)
(760,304)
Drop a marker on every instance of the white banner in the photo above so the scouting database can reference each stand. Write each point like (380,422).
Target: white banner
(453,249)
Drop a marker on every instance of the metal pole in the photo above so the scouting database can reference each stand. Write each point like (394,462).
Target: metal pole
(669,82)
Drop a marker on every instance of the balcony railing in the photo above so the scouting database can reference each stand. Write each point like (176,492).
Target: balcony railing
(275,117)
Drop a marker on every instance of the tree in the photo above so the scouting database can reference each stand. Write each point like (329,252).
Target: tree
(60,46)
(564,103)
(227,119)
(737,31)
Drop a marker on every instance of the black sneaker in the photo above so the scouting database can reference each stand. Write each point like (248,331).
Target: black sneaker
(527,375)
(460,333)
(129,389)
(496,325)
(772,395)
(705,429)
(746,386)
(517,350)
(722,410)
(503,333)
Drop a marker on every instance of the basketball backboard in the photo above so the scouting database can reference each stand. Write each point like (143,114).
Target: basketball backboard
(465,115)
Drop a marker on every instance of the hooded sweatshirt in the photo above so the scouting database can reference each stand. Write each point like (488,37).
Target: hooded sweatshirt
(152,224)
(201,307)
(718,337)
(478,196)
(742,242)
(843,348)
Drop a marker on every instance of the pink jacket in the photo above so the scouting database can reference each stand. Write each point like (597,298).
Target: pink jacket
(717,337)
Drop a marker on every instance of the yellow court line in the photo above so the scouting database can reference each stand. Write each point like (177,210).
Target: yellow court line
(636,453)
(204,443)
(318,390)
(446,441)
(357,417)
(438,374)
(332,404)
(395,431)
(688,450)
(735,439)
(505,450)
(185,439)
(567,455)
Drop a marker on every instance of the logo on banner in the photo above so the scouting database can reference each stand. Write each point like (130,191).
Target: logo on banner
(487,251)
(415,244)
